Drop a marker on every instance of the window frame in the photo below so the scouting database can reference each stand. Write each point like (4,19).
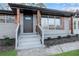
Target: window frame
(10,19)
(1,15)
(54,19)
(5,18)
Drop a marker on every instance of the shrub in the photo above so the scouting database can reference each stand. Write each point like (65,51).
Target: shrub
(59,37)
(49,38)
(8,41)
(76,35)
(68,36)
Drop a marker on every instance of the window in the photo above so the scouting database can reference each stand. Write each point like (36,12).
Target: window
(58,23)
(7,19)
(10,19)
(44,23)
(2,19)
(52,22)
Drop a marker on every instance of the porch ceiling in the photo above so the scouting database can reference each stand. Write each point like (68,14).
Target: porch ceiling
(43,10)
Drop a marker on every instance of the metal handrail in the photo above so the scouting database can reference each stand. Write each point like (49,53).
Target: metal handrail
(17,35)
(41,32)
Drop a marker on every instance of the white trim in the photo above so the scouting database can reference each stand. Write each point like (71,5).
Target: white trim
(16,43)
(76,31)
(34,23)
(21,22)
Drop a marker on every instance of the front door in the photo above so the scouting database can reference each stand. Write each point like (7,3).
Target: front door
(28,24)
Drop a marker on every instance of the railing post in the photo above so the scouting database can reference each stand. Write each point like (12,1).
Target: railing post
(17,16)
(43,39)
(16,40)
(42,35)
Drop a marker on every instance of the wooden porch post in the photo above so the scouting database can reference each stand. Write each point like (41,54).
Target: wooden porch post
(39,23)
(71,25)
(62,23)
(38,20)
(17,15)
(38,17)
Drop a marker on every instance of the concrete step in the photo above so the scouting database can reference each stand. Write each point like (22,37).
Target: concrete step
(29,40)
(29,46)
(28,36)
(29,43)
(24,37)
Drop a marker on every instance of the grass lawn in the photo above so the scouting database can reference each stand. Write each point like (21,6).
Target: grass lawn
(8,53)
(70,53)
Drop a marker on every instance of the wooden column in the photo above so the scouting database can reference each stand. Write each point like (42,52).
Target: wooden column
(72,25)
(17,15)
(38,20)
(38,17)
(62,23)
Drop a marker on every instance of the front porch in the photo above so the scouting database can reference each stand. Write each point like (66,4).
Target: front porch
(35,37)
(28,33)
(34,25)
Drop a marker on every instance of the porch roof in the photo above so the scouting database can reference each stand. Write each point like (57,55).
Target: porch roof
(6,12)
(43,10)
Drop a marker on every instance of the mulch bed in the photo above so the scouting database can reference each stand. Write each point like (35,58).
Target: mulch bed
(60,40)
(4,47)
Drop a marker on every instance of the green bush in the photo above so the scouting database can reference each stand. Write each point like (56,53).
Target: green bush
(68,36)
(8,41)
(49,38)
(76,35)
(59,37)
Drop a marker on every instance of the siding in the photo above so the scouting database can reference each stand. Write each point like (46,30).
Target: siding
(55,33)
(76,31)
(7,29)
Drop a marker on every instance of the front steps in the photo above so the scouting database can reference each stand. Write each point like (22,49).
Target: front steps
(27,41)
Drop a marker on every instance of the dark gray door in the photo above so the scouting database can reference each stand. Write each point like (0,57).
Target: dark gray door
(28,24)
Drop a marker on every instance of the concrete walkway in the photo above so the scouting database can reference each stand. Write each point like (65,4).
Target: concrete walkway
(51,50)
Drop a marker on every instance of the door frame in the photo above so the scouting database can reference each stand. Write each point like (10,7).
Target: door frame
(22,24)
